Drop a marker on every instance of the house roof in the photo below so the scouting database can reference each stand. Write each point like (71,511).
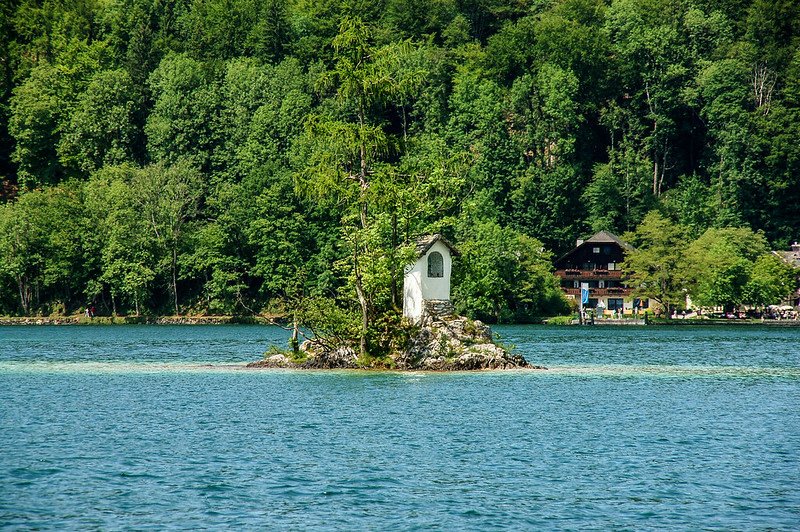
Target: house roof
(791,258)
(602,237)
(424,244)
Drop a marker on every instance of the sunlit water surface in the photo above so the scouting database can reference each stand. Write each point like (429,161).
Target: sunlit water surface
(161,427)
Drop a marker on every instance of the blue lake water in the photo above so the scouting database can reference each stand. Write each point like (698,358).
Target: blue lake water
(633,428)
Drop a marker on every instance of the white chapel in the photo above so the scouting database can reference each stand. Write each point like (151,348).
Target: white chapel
(426,283)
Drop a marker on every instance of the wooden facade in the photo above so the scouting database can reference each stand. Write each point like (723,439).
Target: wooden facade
(594,263)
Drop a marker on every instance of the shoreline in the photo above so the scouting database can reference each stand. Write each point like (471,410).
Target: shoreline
(277,318)
(723,323)
(139,320)
(258,366)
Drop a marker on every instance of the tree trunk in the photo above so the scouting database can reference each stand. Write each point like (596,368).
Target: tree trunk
(362,297)
(651,107)
(175,276)
(24,298)
(393,261)
(295,332)
(362,301)
(655,173)
(362,173)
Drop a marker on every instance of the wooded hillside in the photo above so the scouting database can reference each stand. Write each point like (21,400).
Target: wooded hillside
(239,155)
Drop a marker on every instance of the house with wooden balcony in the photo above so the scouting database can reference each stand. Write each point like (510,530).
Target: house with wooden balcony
(594,263)
(792,258)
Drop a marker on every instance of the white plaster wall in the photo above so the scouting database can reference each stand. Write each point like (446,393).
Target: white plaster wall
(412,293)
(436,287)
(417,286)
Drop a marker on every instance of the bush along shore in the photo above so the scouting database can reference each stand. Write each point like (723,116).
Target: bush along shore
(447,343)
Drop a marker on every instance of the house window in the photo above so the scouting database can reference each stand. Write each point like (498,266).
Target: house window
(615,304)
(576,284)
(596,250)
(435,265)
(601,284)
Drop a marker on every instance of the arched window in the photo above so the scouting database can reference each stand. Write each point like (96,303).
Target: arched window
(435,265)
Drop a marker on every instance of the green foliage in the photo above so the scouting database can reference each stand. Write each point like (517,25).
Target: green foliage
(36,110)
(561,320)
(330,321)
(216,29)
(102,129)
(236,155)
(120,237)
(771,280)
(718,265)
(167,197)
(185,106)
(654,269)
(504,276)
(40,246)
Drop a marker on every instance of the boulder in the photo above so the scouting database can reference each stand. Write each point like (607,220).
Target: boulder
(319,356)
(275,361)
(448,343)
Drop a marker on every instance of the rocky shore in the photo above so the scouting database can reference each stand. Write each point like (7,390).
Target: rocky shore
(449,343)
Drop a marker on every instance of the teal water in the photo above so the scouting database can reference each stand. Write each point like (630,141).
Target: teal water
(149,427)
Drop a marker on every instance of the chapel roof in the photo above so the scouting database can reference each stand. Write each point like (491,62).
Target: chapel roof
(424,243)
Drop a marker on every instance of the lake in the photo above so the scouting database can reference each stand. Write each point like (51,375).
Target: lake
(159,427)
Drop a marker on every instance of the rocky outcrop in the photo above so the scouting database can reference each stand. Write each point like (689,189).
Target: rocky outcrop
(274,361)
(455,343)
(313,355)
(440,343)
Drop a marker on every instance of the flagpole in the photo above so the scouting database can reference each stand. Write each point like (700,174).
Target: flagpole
(584,295)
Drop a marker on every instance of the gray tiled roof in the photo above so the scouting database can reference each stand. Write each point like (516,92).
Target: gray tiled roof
(605,237)
(424,244)
(790,257)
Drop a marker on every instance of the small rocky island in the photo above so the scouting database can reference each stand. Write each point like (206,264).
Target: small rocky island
(442,343)
(437,339)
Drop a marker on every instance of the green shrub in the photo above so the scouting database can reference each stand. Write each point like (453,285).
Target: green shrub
(560,320)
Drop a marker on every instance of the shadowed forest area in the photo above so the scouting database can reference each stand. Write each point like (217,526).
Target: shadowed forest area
(243,156)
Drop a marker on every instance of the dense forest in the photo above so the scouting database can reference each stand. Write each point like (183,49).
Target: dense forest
(241,156)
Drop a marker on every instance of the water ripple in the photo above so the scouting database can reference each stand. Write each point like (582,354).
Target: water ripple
(134,429)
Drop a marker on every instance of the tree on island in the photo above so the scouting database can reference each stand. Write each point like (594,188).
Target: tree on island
(347,150)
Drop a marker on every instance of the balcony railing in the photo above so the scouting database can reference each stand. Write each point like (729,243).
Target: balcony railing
(589,274)
(600,292)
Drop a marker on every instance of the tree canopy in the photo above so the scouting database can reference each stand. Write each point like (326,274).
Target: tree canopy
(250,155)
